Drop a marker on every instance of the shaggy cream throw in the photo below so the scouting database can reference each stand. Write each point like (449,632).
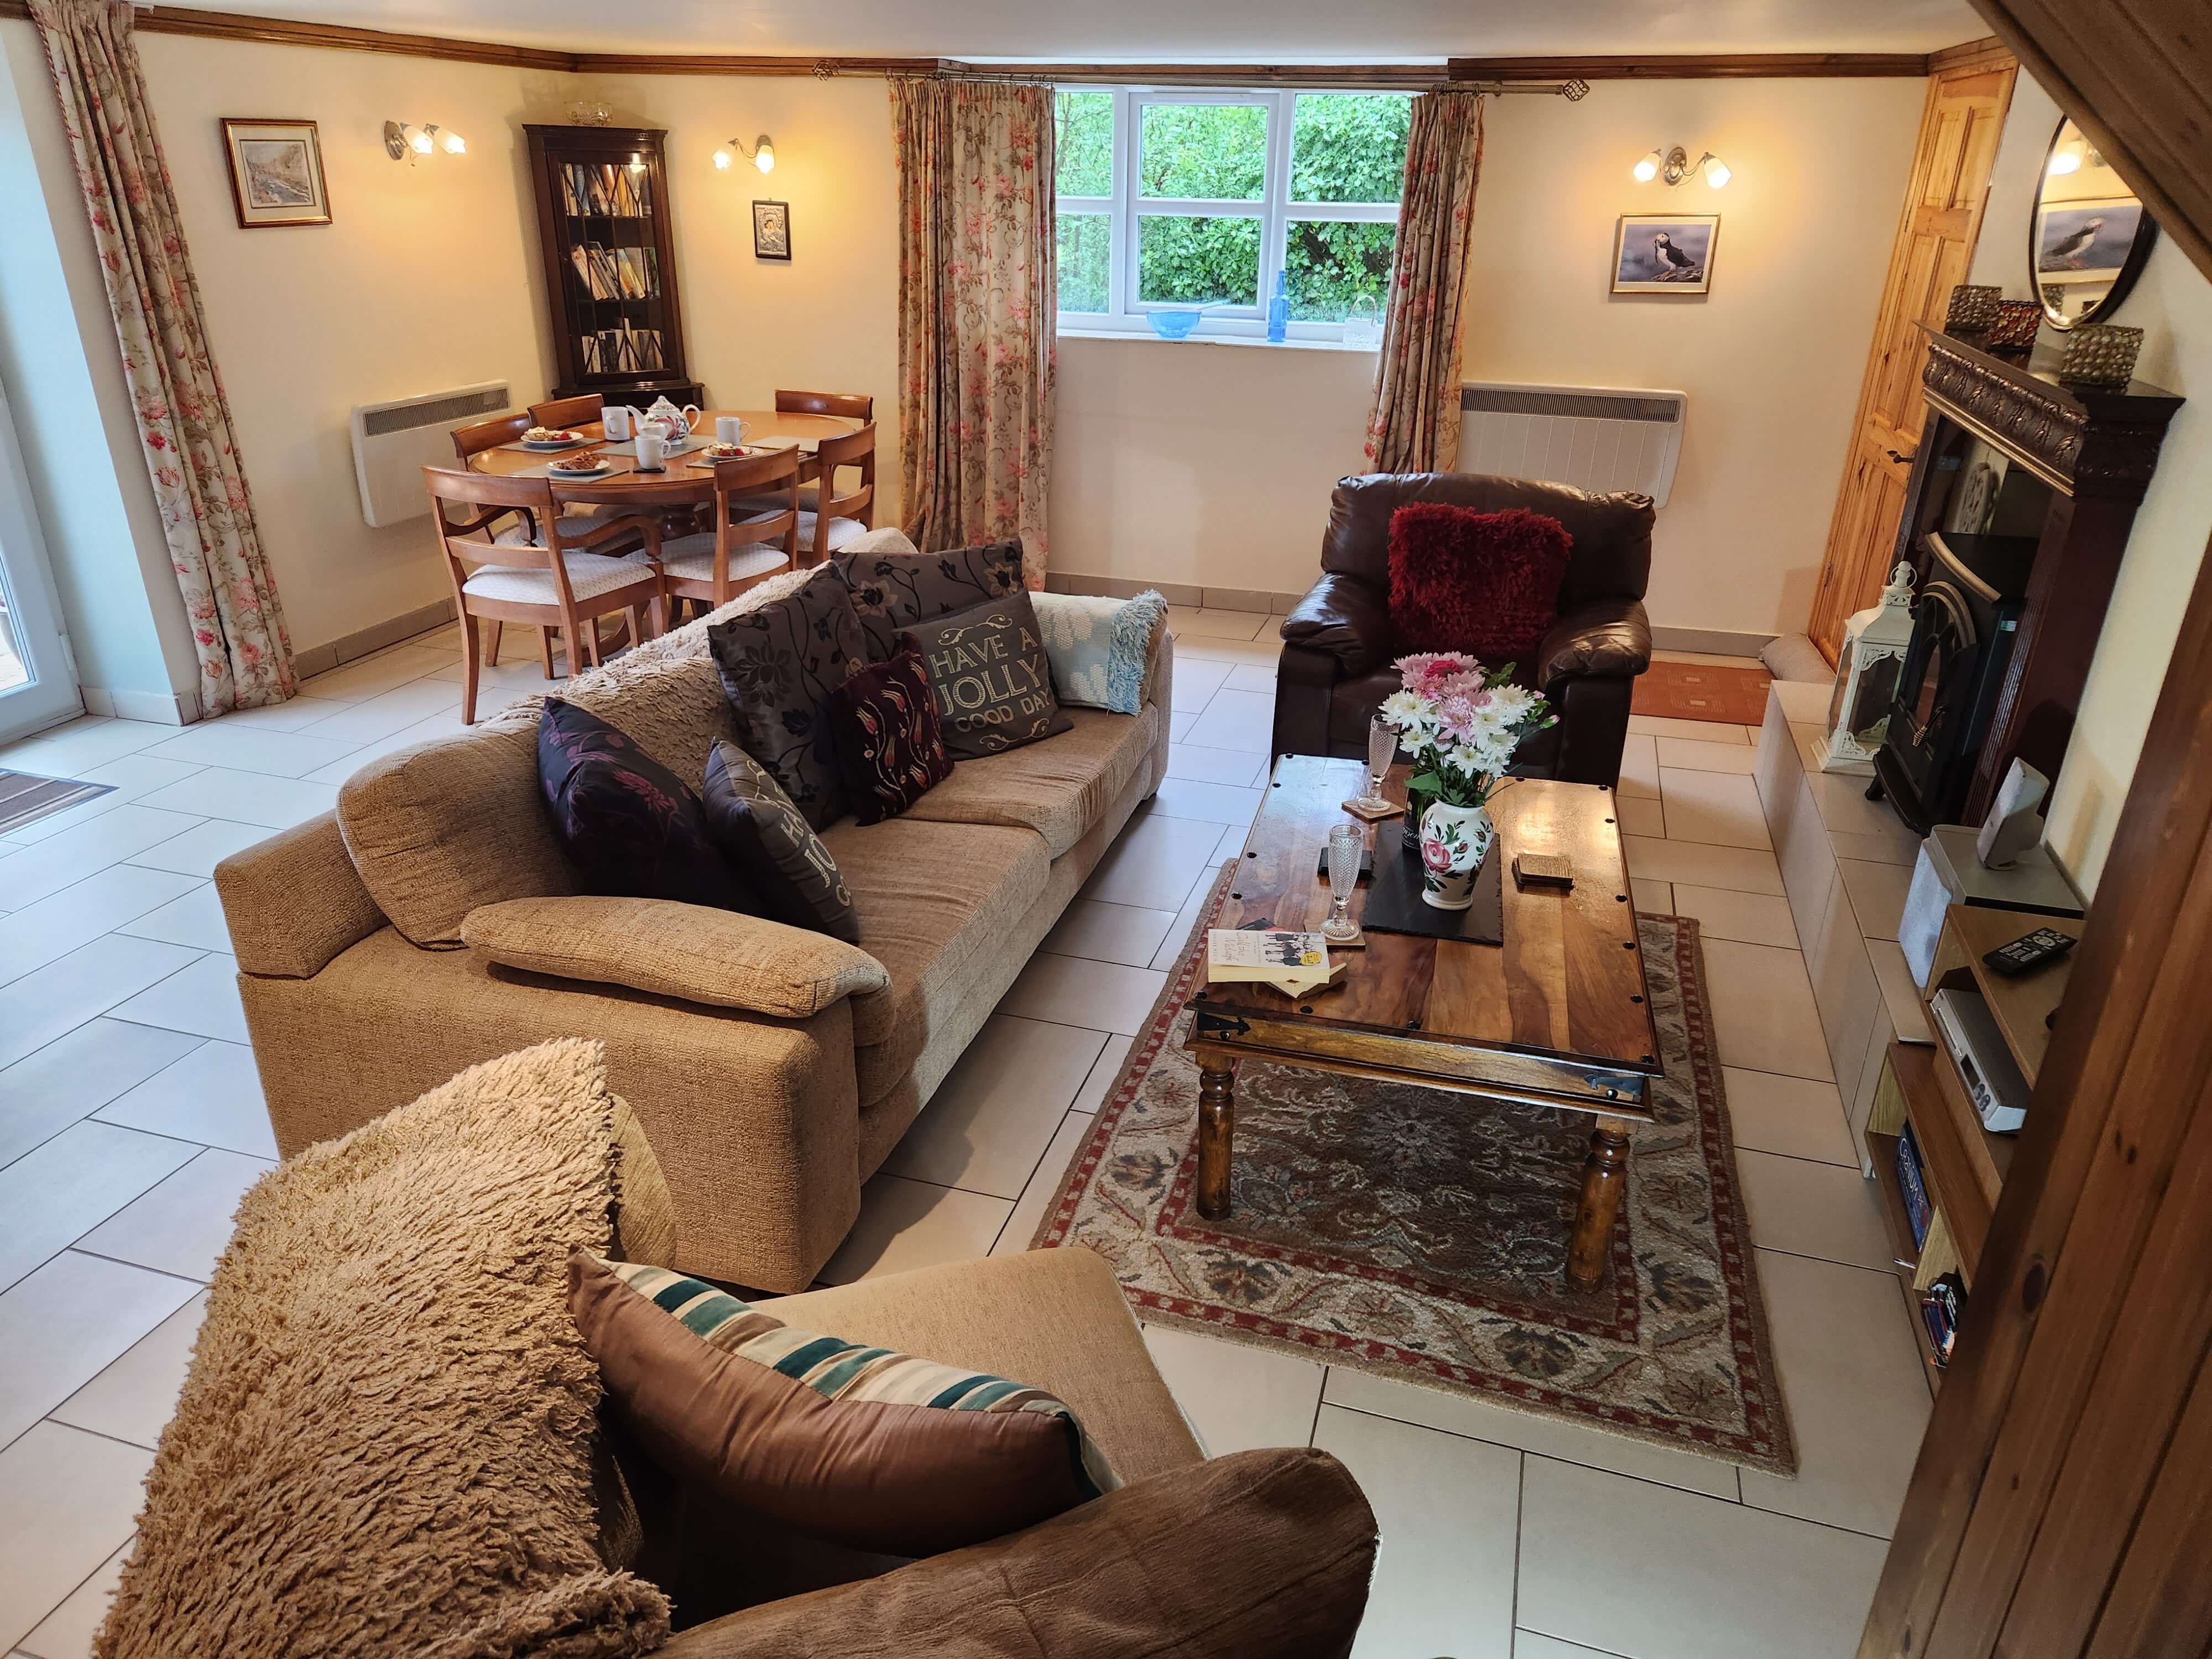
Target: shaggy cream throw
(384,1446)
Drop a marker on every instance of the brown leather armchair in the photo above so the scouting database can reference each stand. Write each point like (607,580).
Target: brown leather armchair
(1337,646)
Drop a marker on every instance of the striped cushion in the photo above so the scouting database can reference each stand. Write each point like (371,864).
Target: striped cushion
(932,1484)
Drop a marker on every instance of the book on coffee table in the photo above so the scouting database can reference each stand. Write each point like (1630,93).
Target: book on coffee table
(1292,962)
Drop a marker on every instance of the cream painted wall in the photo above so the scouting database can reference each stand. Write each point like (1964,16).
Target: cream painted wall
(428,276)
(1771,358)
(426,279)
(1199,462)
(827,321)
(1212,464)
(2173,305)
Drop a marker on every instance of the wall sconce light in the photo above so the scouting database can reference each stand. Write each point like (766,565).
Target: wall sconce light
(401,142)
(761,154)
(1675,166)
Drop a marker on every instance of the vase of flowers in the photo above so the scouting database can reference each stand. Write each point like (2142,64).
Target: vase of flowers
(1463,722)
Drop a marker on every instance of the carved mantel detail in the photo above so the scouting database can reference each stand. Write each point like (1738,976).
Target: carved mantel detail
(2085,448)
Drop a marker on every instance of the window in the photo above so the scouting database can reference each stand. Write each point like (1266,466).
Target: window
(1175,199)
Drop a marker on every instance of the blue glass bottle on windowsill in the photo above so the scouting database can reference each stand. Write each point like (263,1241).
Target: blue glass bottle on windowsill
(1278,308)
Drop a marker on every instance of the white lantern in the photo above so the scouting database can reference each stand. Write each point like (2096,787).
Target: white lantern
(1875,643)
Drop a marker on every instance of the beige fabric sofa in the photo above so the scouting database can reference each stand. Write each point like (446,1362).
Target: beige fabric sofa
(361,993)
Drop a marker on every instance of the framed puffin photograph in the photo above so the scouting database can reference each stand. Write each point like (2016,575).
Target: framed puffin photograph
(1664,253)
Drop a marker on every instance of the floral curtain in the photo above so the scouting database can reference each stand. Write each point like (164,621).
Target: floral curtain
(1414,427)
(184,420)
(976,311)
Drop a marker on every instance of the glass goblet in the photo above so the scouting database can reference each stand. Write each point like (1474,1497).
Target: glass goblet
(1381,749)
(1345,842)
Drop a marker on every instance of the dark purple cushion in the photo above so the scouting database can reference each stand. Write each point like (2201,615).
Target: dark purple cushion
(892,592)
(778,663)
(630,826)
(890,748)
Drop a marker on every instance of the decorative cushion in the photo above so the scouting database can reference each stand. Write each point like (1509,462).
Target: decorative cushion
(590,574)
(779,662)
(1099,648)
(692,558)
(384,1441)
(773,848)
(630,826)
(863,1446)
(892,592)
(1487,583)
(992,680)
(682,951)
(889,749)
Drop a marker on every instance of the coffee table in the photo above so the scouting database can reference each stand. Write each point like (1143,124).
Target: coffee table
(1558,1016)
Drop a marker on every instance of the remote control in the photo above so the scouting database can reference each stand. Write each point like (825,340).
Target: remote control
(2029,951)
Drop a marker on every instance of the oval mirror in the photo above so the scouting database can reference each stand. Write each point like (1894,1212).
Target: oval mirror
(2089,236)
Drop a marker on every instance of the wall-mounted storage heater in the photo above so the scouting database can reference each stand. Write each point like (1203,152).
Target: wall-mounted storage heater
(393,441)
(1592,437)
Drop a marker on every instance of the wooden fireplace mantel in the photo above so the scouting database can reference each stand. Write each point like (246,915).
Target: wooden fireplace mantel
(2097,447)
(2084,440)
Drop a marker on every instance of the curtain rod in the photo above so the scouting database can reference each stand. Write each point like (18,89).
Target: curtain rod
(1239,77)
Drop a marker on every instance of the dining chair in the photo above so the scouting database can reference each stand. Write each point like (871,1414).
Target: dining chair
(848,405)
(559,582)
(568,411)
(835,520)
(471,441)
(756,532)
(844,405)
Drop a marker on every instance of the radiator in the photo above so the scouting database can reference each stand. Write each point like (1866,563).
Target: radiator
(393,441)
(1592,437)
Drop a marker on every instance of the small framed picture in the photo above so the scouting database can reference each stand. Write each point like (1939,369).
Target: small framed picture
(276,173)
(771,230)
(2084,240)
(1664,253)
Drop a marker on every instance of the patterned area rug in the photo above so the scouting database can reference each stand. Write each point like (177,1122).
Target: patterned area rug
(26,798)
(1422,1235)
(1701,691)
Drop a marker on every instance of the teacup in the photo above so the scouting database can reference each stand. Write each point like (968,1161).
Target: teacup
(729,429)
(652,450)
(614,420)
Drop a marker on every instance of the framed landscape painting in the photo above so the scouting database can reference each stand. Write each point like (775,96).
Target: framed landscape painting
(276,173)
(1664,253)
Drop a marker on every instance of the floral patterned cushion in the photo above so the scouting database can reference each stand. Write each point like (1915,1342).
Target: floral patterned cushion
(767,838)
(888,741)
(629,825)
(991,677)
(894,591)
(780,664)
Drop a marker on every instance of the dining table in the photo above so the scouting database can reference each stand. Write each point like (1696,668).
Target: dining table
(764,426)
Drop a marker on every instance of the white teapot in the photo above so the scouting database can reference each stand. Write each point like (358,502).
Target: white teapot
(673,424)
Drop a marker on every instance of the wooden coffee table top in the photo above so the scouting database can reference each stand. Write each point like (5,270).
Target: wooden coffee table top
(1566,986)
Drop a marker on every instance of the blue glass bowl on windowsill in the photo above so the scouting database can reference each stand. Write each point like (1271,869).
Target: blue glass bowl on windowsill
(1175,325)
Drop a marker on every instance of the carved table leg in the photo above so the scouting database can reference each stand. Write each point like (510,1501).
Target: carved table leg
(1604,1175)
(1217,1127)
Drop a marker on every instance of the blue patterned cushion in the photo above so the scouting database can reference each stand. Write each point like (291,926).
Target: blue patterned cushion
(1097,647)
(629,825)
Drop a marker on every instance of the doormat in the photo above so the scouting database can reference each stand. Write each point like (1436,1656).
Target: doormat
(1702,691)
(1423,1235)
(26,799)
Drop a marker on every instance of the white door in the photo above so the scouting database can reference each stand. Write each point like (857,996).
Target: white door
(38,681)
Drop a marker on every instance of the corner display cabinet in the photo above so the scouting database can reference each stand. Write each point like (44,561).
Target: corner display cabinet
(610,252)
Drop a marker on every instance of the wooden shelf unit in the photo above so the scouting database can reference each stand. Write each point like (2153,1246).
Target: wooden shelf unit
(1963,1165)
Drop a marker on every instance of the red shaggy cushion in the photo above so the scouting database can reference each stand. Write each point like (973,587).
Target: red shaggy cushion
(1486,583)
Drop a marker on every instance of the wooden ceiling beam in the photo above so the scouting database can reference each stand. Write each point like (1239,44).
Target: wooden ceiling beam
(1503,71)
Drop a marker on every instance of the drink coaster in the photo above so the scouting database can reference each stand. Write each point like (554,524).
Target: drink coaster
(1357,942)
(1371,814)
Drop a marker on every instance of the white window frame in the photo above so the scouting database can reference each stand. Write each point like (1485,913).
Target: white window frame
(1126,313)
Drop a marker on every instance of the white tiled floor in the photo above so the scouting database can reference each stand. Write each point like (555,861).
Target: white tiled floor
(131,1121)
